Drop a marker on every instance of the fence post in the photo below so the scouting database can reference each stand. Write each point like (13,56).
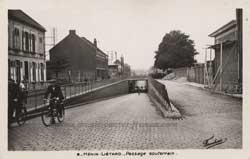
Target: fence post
(75,89)
(35,101)
(65,93)
(91,85)
(70,90)
(87,86)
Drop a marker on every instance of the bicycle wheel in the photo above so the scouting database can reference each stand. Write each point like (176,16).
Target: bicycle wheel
(60,116)
(21,116)
(46,117)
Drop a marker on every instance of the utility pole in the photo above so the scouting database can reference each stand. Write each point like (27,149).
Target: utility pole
(115,56)
(221,64)
(52,41)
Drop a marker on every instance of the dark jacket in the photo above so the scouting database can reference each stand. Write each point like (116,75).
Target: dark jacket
(54,91)
(13,91)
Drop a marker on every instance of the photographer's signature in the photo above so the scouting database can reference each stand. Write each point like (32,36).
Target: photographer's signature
(211,142)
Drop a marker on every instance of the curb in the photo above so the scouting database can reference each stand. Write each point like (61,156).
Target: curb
(174,113)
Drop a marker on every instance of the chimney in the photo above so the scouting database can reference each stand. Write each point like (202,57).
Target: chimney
(95,42)
(72,31)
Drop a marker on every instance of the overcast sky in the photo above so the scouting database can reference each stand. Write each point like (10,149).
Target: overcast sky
(133,28)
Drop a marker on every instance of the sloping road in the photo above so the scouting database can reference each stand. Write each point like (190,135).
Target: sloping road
(132,122)
(207,112)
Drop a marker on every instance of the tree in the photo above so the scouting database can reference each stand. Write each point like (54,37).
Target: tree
(175,50)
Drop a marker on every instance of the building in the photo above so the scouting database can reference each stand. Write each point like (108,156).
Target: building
(227,74)
(127,70)
(77,59)
(113,71)
(119,68)
(26,48)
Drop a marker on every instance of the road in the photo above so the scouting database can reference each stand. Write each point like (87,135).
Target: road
(127,122)
(209,113)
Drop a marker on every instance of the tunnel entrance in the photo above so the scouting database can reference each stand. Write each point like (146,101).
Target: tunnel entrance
(138,85)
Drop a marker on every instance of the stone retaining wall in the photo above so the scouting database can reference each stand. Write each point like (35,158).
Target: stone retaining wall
(159,93)
(115,89)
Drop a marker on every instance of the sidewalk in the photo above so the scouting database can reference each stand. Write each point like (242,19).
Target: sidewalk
(206,88)
(183,80)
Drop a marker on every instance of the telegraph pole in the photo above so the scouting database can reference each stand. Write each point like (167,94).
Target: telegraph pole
(53,39)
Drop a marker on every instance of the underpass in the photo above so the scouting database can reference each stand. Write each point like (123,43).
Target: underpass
(132,121)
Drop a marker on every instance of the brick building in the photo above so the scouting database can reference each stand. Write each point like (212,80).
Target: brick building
(26,48)
(83,59)
(227,76)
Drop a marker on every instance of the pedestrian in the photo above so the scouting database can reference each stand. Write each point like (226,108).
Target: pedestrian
(13,96)
(23,92)
(138,90)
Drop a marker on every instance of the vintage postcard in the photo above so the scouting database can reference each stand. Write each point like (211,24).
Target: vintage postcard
(124,79)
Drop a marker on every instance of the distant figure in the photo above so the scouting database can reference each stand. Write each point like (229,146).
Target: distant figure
(138,90)
(142,88)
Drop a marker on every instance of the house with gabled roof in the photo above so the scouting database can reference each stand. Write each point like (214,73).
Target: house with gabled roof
(82,60)
(26,48)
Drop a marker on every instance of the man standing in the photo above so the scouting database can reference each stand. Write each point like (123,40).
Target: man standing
(13,96)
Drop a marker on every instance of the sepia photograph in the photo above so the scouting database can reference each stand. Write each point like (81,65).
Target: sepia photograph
(124,78)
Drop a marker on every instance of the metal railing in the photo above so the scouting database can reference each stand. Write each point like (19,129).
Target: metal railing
(35,97)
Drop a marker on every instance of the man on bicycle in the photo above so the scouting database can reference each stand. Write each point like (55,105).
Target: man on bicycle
(55,92)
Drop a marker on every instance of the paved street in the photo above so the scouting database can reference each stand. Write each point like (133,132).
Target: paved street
(133,122)
(209,113)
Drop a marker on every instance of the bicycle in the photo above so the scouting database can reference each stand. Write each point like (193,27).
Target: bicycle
(20,113)
(52,111)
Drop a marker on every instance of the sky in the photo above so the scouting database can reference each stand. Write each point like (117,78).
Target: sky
(132,28)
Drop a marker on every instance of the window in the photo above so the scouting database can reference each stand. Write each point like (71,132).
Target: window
(34,71)
(18,70)
(30,46)
(33,38)
(23,40)
(42,72)
(16,39)
(40,44)
(41,40)
(26,70)
(26,39)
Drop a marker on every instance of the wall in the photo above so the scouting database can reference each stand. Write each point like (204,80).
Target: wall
(81,57)
(180,72)
(19,53)
(230,69)
(196,74)
(118,88)
(39,49)
(159,92)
